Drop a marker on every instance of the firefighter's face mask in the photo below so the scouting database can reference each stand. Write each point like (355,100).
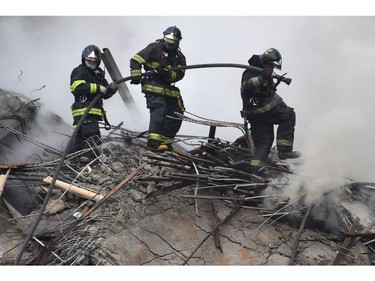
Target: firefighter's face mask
(277,64)
(92,63)
(171,41)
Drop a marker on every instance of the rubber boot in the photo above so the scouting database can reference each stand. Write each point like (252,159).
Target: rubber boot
(245,166)
(289,154)
(160,148)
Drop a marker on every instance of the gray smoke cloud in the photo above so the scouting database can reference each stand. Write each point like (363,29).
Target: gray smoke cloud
(328,58)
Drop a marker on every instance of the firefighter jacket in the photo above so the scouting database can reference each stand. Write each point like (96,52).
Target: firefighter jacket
(258,95)
(85,85)
(152,58)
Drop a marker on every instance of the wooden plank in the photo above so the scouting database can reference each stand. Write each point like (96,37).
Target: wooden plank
(75,189)
(3,180)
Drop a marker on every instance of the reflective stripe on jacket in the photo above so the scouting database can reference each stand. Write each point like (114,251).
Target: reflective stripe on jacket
(85,85)
(257,97)
(153,57)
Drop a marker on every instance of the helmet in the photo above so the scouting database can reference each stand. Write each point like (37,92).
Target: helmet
(172,37)
(273,56)
(91,56)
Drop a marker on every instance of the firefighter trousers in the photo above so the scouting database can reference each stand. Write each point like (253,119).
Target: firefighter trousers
(88,136)
(262,130)
(161,106)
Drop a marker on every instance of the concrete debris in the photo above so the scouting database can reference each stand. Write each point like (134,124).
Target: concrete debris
(177,208)
(136,195)
(54,207)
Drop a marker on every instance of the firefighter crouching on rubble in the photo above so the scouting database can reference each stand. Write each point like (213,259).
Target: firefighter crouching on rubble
(162,97)
(86,81)
(264,108)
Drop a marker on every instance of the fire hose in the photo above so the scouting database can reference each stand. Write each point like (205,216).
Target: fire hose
(281,78)
(82,119)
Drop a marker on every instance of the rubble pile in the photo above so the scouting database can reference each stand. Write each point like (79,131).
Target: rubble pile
(130,206)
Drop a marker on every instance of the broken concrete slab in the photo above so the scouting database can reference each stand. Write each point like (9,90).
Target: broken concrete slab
(135,228)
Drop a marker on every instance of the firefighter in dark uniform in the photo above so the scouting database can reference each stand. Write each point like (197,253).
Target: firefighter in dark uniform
(163,98)
(264,108)
(86,81)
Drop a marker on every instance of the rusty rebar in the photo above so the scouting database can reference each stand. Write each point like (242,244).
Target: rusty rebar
(345,245)
(212,232)
(300,231)
(43,257)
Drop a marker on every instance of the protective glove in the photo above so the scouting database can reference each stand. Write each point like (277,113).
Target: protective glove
(266,76)
(136,80)
(112,88)
(162,72)
(103,89)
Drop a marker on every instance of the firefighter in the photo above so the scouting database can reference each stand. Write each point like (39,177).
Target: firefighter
(264,108)
(163,98)
(86,81)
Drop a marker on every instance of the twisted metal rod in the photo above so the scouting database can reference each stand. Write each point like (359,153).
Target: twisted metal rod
(42,145)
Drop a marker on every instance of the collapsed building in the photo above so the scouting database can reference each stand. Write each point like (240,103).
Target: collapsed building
(130,206)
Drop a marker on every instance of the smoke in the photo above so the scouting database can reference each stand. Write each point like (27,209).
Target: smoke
(334,117)
(45,138)
(332,152)
(328,58)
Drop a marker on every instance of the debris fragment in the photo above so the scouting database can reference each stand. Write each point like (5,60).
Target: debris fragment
(75,189)
(3,180)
